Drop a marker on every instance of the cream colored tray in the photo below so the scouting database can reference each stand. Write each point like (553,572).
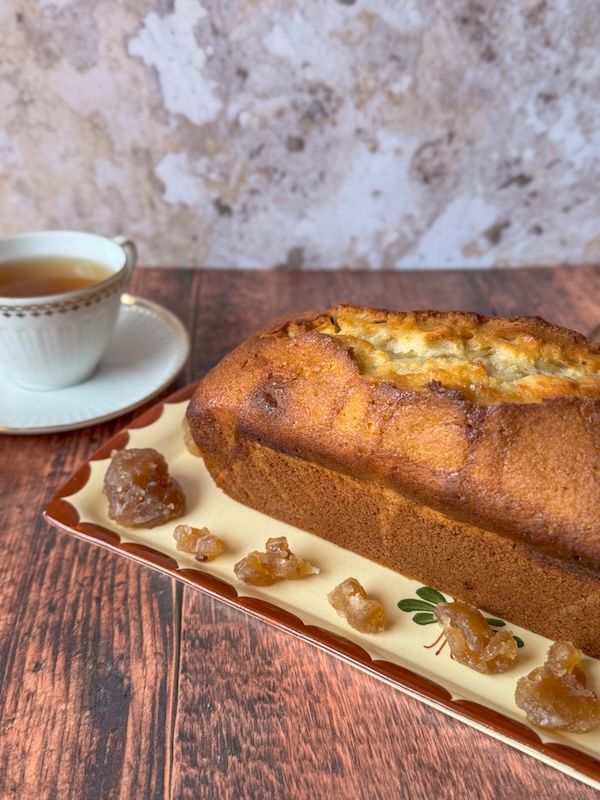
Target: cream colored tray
(407,655)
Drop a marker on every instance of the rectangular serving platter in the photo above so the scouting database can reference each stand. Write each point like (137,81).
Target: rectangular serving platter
(408,656)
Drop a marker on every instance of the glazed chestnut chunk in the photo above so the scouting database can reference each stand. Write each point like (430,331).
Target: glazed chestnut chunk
(277,563)
(359,610)
(472,640)
(555,696)
(140,491)
(200,542)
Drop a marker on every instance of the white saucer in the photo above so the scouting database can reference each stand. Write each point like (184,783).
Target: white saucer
(148,349)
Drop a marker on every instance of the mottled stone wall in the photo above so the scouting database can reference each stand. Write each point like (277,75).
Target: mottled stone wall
(339,133)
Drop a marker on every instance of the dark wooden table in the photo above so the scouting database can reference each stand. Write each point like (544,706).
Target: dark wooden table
(118,682)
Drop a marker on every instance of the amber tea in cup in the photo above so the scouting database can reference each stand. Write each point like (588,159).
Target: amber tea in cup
(43,276)
(60,295)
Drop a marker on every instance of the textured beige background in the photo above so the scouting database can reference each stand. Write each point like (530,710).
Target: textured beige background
(338,133)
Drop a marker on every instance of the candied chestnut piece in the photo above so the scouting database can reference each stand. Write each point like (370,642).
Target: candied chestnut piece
(360,612)
(472,640)
(139,489)
(555,696)
(278,563)
(203,544)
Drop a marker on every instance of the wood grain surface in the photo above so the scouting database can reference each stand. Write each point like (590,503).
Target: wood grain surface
(118,682)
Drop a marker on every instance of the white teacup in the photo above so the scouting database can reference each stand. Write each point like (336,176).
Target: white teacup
(60,295)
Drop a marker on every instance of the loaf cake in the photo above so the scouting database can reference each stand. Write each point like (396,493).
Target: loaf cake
(460,450)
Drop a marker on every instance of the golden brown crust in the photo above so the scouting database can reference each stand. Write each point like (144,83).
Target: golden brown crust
(527,470)
(487,359)
(484,483)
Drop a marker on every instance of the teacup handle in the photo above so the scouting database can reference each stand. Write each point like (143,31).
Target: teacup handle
(130,253)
